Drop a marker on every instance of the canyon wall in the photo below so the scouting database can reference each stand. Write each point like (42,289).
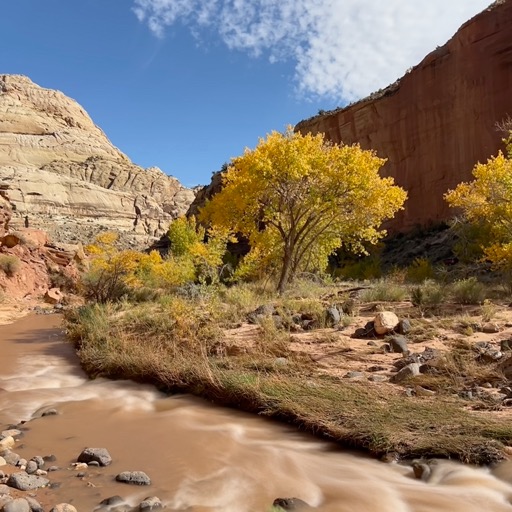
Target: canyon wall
(437,121)
(63,175)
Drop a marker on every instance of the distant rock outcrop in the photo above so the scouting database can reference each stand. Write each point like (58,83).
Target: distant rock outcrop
(63,175)
(436,122)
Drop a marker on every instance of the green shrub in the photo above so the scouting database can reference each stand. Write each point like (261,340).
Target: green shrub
(9,264)
(468,291)
(420,270)
(384,291)
(428,296)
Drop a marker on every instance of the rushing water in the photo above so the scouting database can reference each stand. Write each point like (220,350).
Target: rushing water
(200,457)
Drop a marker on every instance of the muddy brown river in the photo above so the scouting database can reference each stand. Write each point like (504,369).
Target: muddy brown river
(200,457)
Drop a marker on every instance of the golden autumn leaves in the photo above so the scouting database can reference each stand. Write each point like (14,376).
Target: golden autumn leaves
(297,198)
(486,203)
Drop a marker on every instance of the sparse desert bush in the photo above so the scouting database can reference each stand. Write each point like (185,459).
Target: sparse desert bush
(420,270)
(468,291)
(488,310)
(428,296)
(384,291)
(9,264)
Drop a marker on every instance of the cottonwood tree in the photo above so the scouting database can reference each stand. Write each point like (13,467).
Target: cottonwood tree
(486,203)
(298,197)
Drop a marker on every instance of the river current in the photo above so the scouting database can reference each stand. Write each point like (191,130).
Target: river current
(198,456)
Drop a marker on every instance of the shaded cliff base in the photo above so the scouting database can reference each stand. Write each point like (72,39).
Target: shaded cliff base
(290,360)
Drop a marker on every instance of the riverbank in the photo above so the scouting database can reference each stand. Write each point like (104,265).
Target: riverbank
(199,457)
(10,312)
(323,381)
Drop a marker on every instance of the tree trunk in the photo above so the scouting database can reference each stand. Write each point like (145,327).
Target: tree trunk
(285,271)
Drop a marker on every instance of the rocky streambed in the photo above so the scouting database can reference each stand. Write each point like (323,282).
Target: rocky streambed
(68,443)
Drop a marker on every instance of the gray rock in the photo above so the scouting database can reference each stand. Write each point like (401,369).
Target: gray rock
(291,504)
(398,344)
(3,462)
(404,326)
(409,371)
(112,501)
(368,331)
(38,460)
(262,311)
(354,375)
(99,455)
(378,378)
(150,503)
(17,505)
(25,482)
(4,489)
(134,478)
(332,317)
(63,507)
(359,334)
(31,467)
(35,506)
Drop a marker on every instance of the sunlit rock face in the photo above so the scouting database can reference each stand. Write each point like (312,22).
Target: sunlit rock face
(440,119)
(62,174)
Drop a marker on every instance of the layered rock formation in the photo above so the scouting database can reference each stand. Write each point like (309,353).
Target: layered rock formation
(436,122)
(5,213)
(62,174)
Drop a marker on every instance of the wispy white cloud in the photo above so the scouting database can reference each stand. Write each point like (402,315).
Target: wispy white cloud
(342,49)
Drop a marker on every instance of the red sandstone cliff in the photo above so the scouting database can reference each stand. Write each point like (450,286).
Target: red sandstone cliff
(439,119)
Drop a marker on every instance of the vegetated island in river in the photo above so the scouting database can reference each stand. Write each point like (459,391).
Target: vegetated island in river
(434,384)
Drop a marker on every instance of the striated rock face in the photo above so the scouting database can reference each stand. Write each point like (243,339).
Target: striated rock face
(5,213)
(439,119)
(63,175)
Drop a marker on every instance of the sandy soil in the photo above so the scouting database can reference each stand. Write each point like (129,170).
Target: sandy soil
(336,353)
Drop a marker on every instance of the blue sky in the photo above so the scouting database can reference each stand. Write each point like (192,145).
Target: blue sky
(187,84)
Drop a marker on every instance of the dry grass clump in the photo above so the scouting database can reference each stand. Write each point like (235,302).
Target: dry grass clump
(428,297)
(9,264)
(423,330)
(459,368)
(384,291)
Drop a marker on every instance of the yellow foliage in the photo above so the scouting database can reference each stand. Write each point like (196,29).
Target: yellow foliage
(113,272)
(311,197)
(189,248)
(487,201)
